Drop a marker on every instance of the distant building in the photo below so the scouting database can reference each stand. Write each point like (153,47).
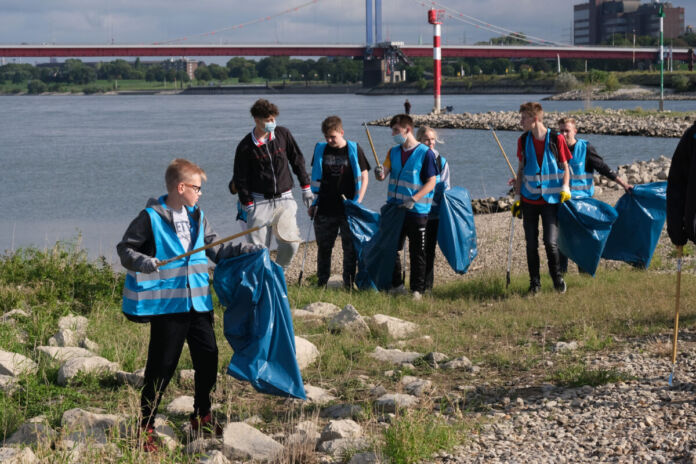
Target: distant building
(182,64)
(598,20)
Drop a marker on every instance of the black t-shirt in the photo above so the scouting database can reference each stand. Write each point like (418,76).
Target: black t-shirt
(335,170)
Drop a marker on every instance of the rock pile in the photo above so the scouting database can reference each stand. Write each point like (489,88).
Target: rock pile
(607,122)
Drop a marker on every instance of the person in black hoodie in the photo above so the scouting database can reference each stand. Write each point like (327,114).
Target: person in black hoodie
(681,191)
(262,164)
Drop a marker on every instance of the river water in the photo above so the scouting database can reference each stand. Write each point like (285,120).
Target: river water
(85,165)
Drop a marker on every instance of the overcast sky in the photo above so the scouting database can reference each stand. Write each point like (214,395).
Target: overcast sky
(327,21)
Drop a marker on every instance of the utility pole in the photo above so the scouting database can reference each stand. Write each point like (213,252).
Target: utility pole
(634,48)
(661,14)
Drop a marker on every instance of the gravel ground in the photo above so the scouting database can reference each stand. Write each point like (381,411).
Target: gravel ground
(641,420)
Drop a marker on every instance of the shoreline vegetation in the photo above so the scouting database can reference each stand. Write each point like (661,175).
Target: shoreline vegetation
(589,86)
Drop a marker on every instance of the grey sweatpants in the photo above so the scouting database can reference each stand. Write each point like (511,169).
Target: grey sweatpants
(260,214)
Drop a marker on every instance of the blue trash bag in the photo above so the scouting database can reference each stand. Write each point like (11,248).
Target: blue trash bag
(363,224)
(635,233)
(584,225)
(379,253)
(456,233)
(258,323)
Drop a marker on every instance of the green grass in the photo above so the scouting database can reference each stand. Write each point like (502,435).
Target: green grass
(578,375)
(418,434)
(505,333)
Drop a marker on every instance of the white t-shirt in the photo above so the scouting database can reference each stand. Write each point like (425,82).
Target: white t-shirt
(182,227)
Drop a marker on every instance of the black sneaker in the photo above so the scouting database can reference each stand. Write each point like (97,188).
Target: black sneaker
(534,288)
(560,286)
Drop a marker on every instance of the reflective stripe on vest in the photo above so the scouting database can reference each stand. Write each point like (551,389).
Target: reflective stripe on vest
(545,181)
(404,182)
(175,287)
(581,184)
(315,183)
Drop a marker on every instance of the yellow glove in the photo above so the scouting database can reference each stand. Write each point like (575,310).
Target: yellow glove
(565,195)
(516,209)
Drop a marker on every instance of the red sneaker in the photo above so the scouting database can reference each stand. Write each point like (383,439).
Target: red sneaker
(206,425)
(149,439)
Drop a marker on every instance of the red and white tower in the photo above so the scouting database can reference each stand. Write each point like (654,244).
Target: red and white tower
(434,18)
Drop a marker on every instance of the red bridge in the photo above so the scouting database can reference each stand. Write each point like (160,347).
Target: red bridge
(448,51)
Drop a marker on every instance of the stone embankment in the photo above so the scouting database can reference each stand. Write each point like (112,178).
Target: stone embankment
(639,172)
(607,122)
(627,93)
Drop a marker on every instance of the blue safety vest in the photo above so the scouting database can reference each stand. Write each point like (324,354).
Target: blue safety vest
(404,182)
(545,181)
(354,164)
(581,185)
(175,287)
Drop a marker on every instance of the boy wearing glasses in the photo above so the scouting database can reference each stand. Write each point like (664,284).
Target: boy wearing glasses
(174,297)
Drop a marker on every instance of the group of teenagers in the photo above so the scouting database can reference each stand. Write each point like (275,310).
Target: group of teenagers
(174,296)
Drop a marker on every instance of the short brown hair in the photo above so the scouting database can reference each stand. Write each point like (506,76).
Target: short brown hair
(532,109)
(181,170)
(332,123)
(567,121)
(263,109)
(402,120)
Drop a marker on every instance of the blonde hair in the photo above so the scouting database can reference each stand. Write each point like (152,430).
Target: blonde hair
(181,170)
(420,135)
(567,121)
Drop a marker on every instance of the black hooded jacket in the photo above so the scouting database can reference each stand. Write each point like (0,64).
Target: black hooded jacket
(681,190)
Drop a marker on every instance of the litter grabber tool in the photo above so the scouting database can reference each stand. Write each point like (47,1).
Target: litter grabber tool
(279,217)
(676,315)
(372,145)
(512,217)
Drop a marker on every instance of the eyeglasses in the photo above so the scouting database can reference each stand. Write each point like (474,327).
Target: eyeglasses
(196,188)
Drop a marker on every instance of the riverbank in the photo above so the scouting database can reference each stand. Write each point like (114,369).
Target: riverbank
(607,122)
(631,93)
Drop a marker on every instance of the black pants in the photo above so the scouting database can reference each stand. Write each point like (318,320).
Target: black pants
(167,335)
(430,245)
(326,228)
(549,223)
(414,229)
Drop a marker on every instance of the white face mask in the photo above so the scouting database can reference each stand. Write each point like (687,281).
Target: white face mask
(399,139)
(270,126)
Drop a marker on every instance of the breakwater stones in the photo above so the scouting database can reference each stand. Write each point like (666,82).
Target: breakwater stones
(638,172)
(607,122)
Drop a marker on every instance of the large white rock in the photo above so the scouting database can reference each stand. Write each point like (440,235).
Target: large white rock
(77,324)
(415,386)
(31,433)
(305,352)
(318,395)
(13,314)
(393,401)
(8,383)
(364,458)
(462,363)
(395,356)
(214,457)
(336,429)
(181,405)
(134,379)
(242,441)
(395,327)
(320,309)
(80,424)
(17,456)
(342,446)
(349,320)
(65,337)
(60,353)
(94,364)
(15,364)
